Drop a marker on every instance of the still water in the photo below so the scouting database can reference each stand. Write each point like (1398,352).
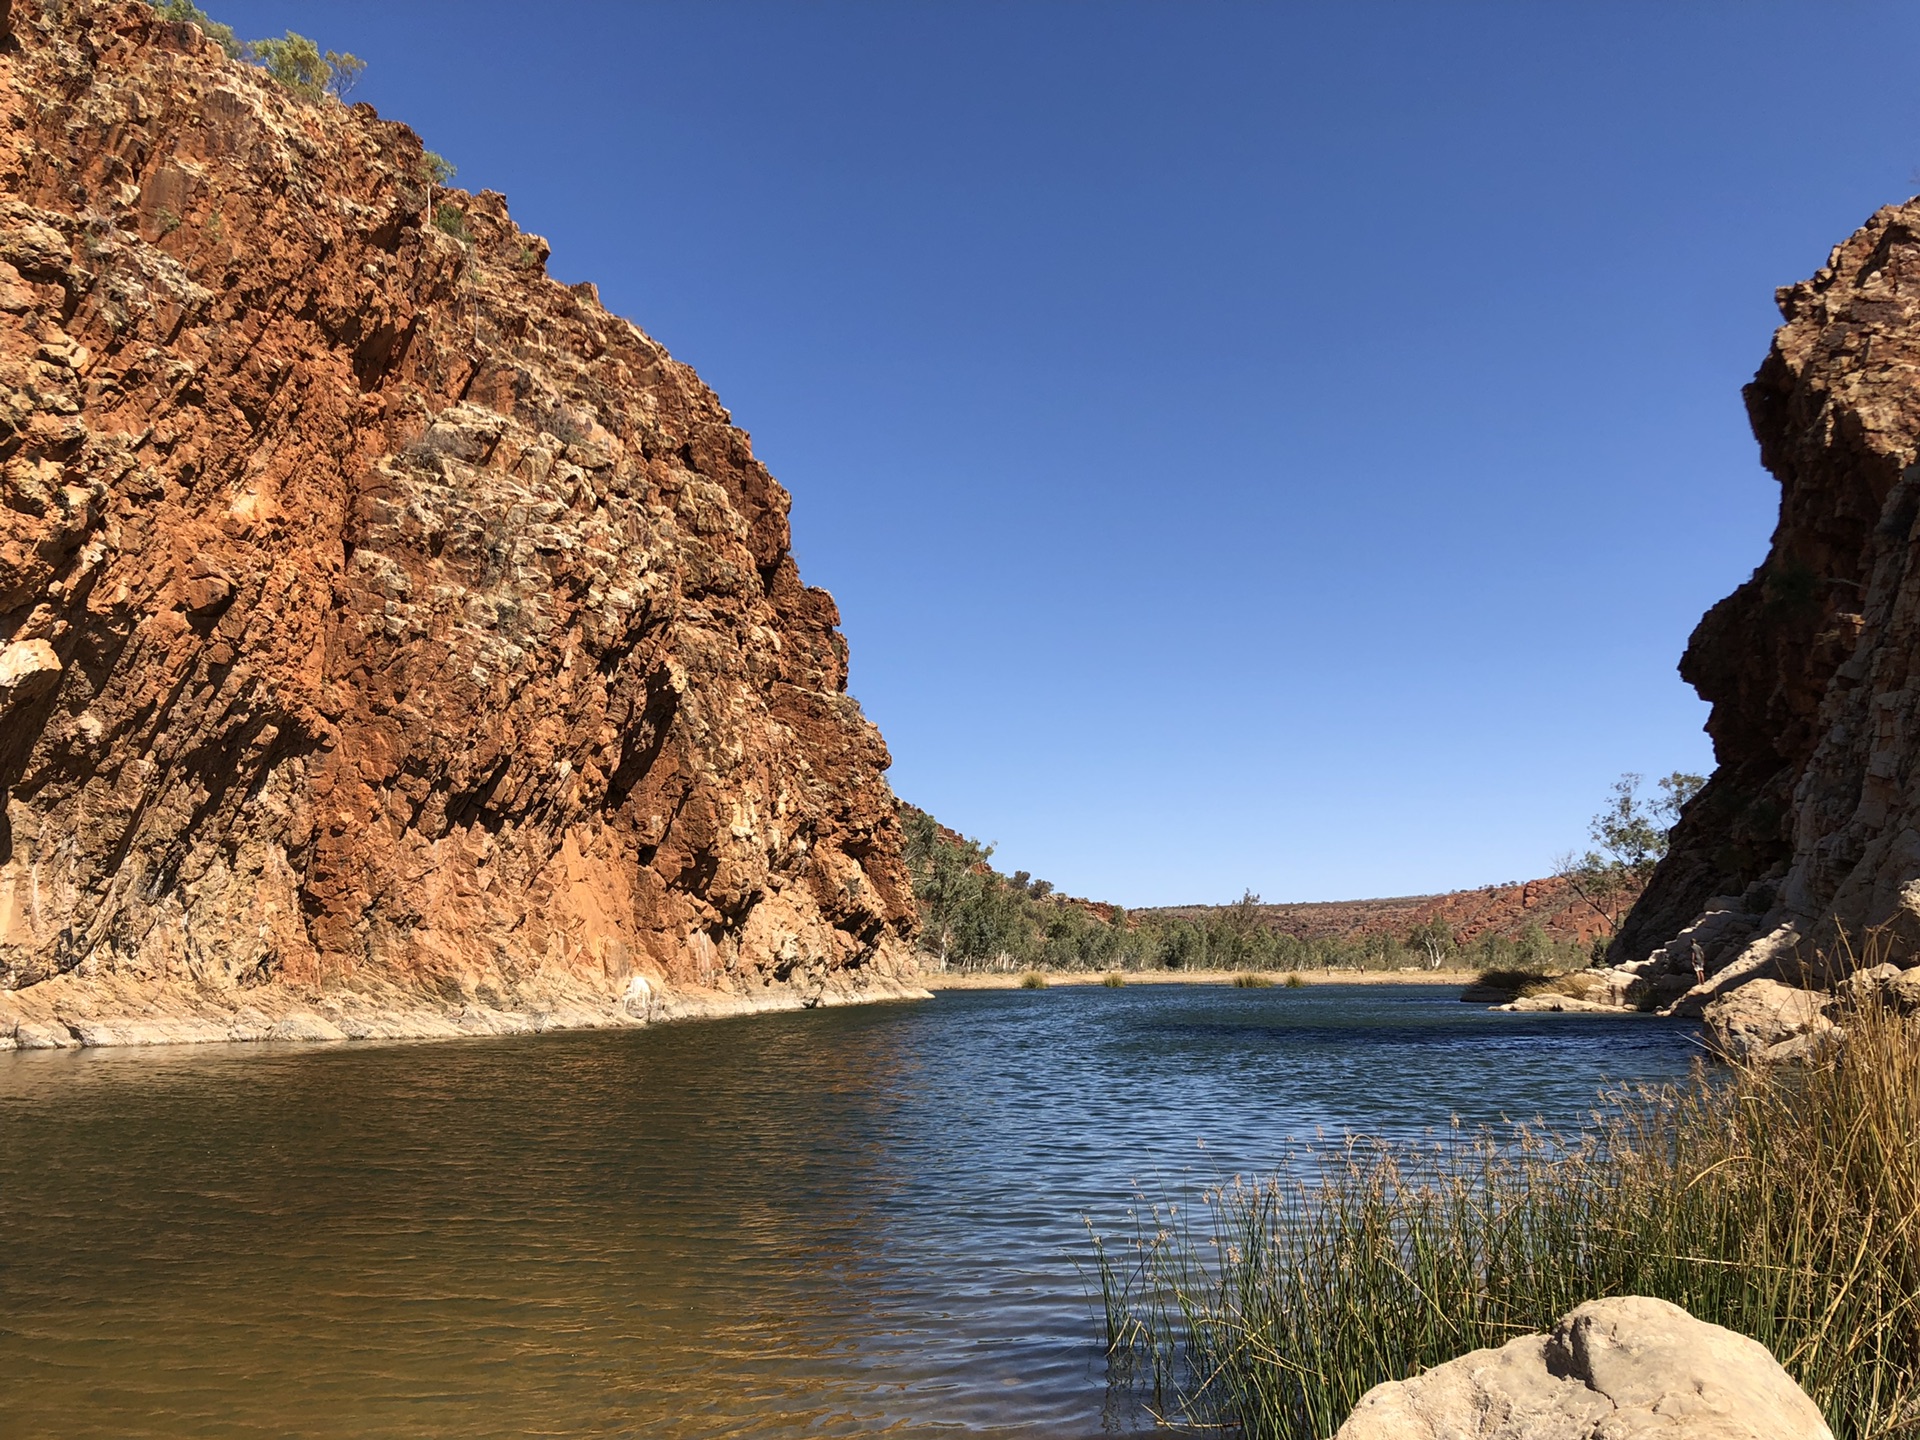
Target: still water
(842,1222)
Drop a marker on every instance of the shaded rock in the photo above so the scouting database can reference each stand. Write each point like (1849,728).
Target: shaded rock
(1477,994)
(1565,1005)
(1812,815)
(1628,1368)
(1890,985)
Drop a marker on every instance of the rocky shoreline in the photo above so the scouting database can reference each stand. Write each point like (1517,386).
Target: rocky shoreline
(70,1013)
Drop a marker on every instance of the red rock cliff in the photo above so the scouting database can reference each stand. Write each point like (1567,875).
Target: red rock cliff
(1813,666)
(382,624)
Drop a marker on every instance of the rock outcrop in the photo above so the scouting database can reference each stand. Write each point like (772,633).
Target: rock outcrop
(391,639)
(1810,824)
(1629,1368)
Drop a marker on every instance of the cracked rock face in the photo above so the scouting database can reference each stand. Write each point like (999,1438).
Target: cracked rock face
(1627,1368)
(1813,666)
(378,615)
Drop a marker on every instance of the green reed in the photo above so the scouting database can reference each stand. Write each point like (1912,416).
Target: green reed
(1247,980)
(1784,1204)
(1113,980)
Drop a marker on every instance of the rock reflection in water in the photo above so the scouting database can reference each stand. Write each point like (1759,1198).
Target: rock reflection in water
(843,1222)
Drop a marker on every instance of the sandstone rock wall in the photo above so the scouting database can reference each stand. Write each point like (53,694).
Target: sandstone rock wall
(379,617)
(1812,817)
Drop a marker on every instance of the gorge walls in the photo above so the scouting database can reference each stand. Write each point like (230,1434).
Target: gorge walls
(1812,817)
(384,627)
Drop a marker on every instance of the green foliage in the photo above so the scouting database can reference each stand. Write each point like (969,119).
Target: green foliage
(1781,1203)
(1247,980)
(453,221)
(1113,980)
(1033,980)
(221,35)
(1514,978)
(1296,981)
(345,71)
(296,62)
(1791,587)
(974,918)
(1631,836)
(436,169)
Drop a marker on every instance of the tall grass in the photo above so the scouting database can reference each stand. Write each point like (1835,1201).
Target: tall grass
(1783,1204)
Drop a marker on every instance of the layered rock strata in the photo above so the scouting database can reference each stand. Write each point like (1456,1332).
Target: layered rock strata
(391,639)
(1806,841)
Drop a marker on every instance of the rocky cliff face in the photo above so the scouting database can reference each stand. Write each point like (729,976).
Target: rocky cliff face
(385,629)
(1813,666)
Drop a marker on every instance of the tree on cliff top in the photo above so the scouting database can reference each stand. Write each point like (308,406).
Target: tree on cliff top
(295,61)
(1630,834)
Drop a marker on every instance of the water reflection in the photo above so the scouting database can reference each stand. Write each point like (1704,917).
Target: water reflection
(834,1223)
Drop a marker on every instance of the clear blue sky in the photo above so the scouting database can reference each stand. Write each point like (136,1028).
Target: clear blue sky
(1273,446)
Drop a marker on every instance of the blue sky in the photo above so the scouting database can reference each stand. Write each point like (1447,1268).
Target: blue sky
(1272,446)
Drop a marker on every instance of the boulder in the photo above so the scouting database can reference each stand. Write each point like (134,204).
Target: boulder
(1628,1368)
(1766,1021)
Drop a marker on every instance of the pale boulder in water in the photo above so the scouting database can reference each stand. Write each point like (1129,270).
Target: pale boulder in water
(1629,1368)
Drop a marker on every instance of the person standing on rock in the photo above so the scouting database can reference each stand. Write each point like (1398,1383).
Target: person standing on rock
(1699,964)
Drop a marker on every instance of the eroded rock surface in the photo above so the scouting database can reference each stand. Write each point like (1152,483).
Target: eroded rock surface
(1629,1368)
(1812,818)
(385,628)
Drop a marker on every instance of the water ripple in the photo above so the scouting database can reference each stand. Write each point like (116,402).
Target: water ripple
(836,1223)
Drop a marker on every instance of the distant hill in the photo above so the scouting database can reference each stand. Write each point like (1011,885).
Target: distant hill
(1504,910)
(973,916)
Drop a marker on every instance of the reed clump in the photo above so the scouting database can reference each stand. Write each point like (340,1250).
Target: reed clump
(1033,980)
(1296,981)
(1783,1204)
(1113,980)
(1247,980)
